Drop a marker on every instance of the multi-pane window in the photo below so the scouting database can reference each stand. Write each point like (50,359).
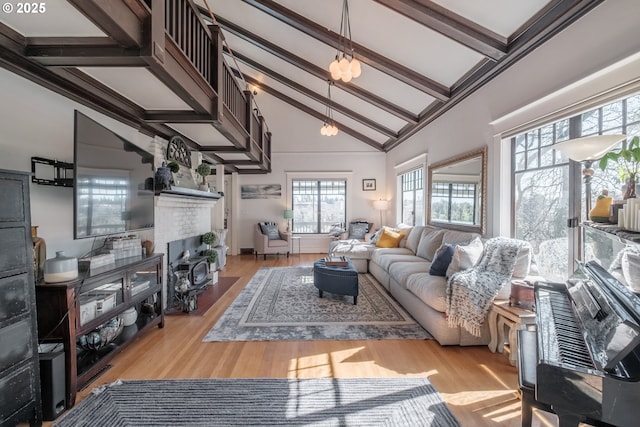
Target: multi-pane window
(542,187)
(412,183)
(454,202)
(318,204)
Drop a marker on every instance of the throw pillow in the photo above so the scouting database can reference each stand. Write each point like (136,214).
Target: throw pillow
(374,238)
(465,257)
(389,238)
(430,241)
(523,262)
(272,232)
(442,260)
(357,230)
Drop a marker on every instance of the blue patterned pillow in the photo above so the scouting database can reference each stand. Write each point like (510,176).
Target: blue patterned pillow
(357,230)
(270,230)
(443,259)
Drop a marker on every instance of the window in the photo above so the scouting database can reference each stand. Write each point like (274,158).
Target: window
(545,190)
(318,204)
(412,208)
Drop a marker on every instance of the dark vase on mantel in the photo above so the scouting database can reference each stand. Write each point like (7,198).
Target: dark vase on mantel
(630,192)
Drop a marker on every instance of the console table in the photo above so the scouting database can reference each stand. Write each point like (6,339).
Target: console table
(70,310)
(503,315)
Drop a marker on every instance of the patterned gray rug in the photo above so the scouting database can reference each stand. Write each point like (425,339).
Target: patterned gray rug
(281,303)
(263,402)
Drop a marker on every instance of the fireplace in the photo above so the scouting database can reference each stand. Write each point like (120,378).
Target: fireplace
(197,269)
(184,257)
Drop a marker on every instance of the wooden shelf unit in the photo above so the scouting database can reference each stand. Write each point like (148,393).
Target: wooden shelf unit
(62,313)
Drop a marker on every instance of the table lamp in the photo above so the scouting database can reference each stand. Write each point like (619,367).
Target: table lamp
(288,215)
(585,150)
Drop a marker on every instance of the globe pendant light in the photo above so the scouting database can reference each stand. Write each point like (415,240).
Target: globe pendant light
(345,66)
(328,127)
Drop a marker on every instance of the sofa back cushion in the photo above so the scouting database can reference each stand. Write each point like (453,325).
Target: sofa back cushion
(523,262)
(413,238)
(430,241)
(454,237)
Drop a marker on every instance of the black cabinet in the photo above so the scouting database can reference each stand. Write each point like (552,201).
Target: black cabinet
(19,364)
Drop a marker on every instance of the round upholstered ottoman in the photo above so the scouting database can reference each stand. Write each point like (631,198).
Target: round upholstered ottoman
(340,280)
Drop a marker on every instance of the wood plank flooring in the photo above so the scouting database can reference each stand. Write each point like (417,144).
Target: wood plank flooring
(479,386)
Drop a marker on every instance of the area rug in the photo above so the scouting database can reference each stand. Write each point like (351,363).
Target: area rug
(263,402)
(209,296)
(281,303)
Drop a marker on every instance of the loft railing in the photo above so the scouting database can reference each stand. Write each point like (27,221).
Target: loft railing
(191,34)
(233,96)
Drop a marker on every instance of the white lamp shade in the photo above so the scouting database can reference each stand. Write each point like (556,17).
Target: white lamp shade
(381,205)
(588,148)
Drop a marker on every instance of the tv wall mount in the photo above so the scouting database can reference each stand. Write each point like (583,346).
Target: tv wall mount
(60,174)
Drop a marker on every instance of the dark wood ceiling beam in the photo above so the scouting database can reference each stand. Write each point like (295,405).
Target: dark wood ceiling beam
(364,54)
(451,25)
(310,111)
(222,149)
(317,97)
(85,56)
(556,17)
(316,71)
(116,19)
(178,116)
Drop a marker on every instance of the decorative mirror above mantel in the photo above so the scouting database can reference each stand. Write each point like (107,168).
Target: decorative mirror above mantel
(458,195)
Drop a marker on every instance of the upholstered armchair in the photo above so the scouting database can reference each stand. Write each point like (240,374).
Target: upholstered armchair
(268,239)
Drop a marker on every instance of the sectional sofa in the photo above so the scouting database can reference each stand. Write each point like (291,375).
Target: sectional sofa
(404,272)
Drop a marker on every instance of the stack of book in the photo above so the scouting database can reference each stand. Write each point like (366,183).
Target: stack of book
(335,261)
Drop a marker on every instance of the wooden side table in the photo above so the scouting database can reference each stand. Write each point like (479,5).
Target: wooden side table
(503,315)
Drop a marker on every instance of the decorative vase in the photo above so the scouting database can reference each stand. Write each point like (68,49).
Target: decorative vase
(630,192)
(163,177)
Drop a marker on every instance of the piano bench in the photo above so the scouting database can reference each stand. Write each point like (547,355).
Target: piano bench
(527,361)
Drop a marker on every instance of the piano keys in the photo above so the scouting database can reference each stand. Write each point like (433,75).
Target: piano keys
(588,349)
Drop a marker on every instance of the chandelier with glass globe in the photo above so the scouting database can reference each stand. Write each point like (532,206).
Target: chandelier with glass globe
(345,66)
(329,127)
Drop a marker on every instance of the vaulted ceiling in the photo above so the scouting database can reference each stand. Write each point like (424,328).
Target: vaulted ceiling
(419,59)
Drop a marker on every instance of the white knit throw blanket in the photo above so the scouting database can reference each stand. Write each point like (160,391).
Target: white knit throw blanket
(471,292)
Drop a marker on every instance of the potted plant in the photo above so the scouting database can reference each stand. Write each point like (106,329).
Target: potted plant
(174,167)
(204,170)
(212,257)
(628,160)
(209,238)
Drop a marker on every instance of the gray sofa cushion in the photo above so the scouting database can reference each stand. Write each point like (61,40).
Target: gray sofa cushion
(401,271)
(454,237)
(379,253)
(413,239)
(430,241)
(387,260)
(429,289)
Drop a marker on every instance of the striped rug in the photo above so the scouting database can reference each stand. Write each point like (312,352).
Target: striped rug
(263,402)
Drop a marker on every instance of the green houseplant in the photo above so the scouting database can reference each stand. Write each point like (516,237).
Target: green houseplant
(204,170)
(209,238)
(174,167)
(628,160)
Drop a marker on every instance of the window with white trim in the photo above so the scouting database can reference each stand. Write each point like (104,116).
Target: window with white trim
(318,204)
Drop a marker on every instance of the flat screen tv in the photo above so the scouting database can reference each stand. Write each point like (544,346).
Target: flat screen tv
(113,182)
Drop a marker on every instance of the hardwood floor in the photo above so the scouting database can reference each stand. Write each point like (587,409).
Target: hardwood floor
(479,386)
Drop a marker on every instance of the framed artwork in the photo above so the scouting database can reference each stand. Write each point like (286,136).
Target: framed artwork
(261,191)
(368,185)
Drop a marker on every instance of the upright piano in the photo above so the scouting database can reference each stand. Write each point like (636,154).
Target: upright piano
(587,349)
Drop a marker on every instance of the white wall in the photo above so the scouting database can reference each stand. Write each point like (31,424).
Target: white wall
(355,166)
(607,34)
(36,122)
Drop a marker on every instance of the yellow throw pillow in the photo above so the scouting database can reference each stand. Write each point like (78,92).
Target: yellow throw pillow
(389,238)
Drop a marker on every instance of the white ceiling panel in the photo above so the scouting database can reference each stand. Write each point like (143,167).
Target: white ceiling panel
(138,85)
(57,19)
(202,133)
(503,17)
